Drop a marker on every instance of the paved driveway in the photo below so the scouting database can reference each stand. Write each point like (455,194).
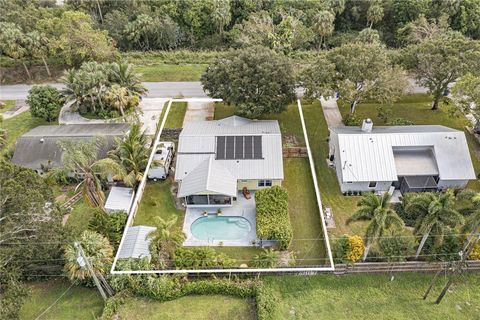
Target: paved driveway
(151,110)
(198,111)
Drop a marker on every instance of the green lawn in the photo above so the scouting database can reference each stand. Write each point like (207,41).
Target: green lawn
(157,201)
(373,297)
(176,115)
(170,72)
(215,307)
(9,104)
(18,125)
(78,303)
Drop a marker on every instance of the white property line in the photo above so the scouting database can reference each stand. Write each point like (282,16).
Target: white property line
(243,270)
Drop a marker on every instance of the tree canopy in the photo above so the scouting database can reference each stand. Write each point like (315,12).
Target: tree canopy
(256,80)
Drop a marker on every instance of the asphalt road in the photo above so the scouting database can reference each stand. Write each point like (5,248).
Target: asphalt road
(192,89)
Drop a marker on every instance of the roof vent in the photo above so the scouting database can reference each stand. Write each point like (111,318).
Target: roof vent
(367,125)
(42,140)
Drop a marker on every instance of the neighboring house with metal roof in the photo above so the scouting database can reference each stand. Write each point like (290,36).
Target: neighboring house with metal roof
(136,243)
(408,158)
(38,148)
(119,199)
(216,159)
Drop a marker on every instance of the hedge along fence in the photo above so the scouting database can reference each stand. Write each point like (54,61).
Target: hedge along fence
(273,220)
(167,288)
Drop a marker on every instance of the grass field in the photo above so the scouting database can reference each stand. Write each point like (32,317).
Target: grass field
(176,115)
(18,125)
(9,104)
(374,297)
(214,307)
(77,303)
(170,72)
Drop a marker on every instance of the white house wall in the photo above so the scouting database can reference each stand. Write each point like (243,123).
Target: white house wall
(363,186)
(452,184)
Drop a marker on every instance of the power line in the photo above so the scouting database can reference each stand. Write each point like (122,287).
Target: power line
(54,303)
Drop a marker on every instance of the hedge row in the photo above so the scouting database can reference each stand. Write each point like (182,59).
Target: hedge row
(166,288)
(273,220)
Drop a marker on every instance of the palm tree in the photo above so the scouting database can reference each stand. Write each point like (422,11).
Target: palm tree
(436,213)
(323,25)
(37,46)
(132,153)
(118,98)
(166,238)
(123,75)
(382,217)
(269,258)
(80,157)
(97,250)
(472,223)
(374,13)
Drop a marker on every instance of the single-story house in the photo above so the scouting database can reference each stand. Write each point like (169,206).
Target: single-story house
(218,159)
(38,149)
(136,243)
(119,199)
(408,158)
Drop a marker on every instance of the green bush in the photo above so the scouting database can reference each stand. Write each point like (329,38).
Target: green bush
(273,220)
(201,257)
(351,120)
(396,247)
(109,225)
(45,102)
(267,303)
(400,122)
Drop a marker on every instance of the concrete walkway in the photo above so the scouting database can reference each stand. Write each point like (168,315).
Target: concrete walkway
(151,110)
(199,111)
(331,112)
(20,107)
(70,116)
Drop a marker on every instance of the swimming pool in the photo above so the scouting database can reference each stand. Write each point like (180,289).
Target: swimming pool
(213,227)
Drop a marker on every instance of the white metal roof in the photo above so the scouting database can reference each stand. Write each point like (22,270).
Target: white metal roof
(207,178)
(369,156)
(415,162)
(119,198)
(136,242)
(197,144)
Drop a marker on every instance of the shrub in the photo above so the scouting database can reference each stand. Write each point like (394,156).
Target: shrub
(45,102)
(356,248)
(475,253)
(448,251)
(351,120)
(273,220)
(408,217)
(202,257)
(340,249)
(266,259)
(400,122)
(109,225)
(267,303)
(395,247)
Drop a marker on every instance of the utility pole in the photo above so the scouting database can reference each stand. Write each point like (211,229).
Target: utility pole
(82,260)
(458,267)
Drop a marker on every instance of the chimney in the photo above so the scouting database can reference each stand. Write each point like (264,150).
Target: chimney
(367,125)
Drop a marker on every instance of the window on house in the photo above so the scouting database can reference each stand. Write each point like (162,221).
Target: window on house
(264,183)
(372,184)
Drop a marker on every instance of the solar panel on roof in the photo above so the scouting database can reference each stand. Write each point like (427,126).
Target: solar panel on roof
(220,147)
(248,154)
(239,147)
(230,148)
(257,147)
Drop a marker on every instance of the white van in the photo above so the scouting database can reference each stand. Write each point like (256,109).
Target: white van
(161,161)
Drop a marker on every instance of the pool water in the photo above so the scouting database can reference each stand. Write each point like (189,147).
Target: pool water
(213,227)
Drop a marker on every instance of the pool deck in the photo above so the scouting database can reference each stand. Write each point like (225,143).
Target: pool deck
(240,208)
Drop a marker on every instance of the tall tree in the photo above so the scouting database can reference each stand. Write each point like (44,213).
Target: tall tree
(37,47)
(436,214)
(374,13)
(97,250)
(132,153)
(220,15)
(436,63)
(13,43)
(323,25)
(81,158)
(466,93)
(256,80)
(376,210)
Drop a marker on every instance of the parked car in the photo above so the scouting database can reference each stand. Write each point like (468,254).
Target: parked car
(162,160)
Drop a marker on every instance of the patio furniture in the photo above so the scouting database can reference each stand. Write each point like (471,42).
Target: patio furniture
(246,193)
